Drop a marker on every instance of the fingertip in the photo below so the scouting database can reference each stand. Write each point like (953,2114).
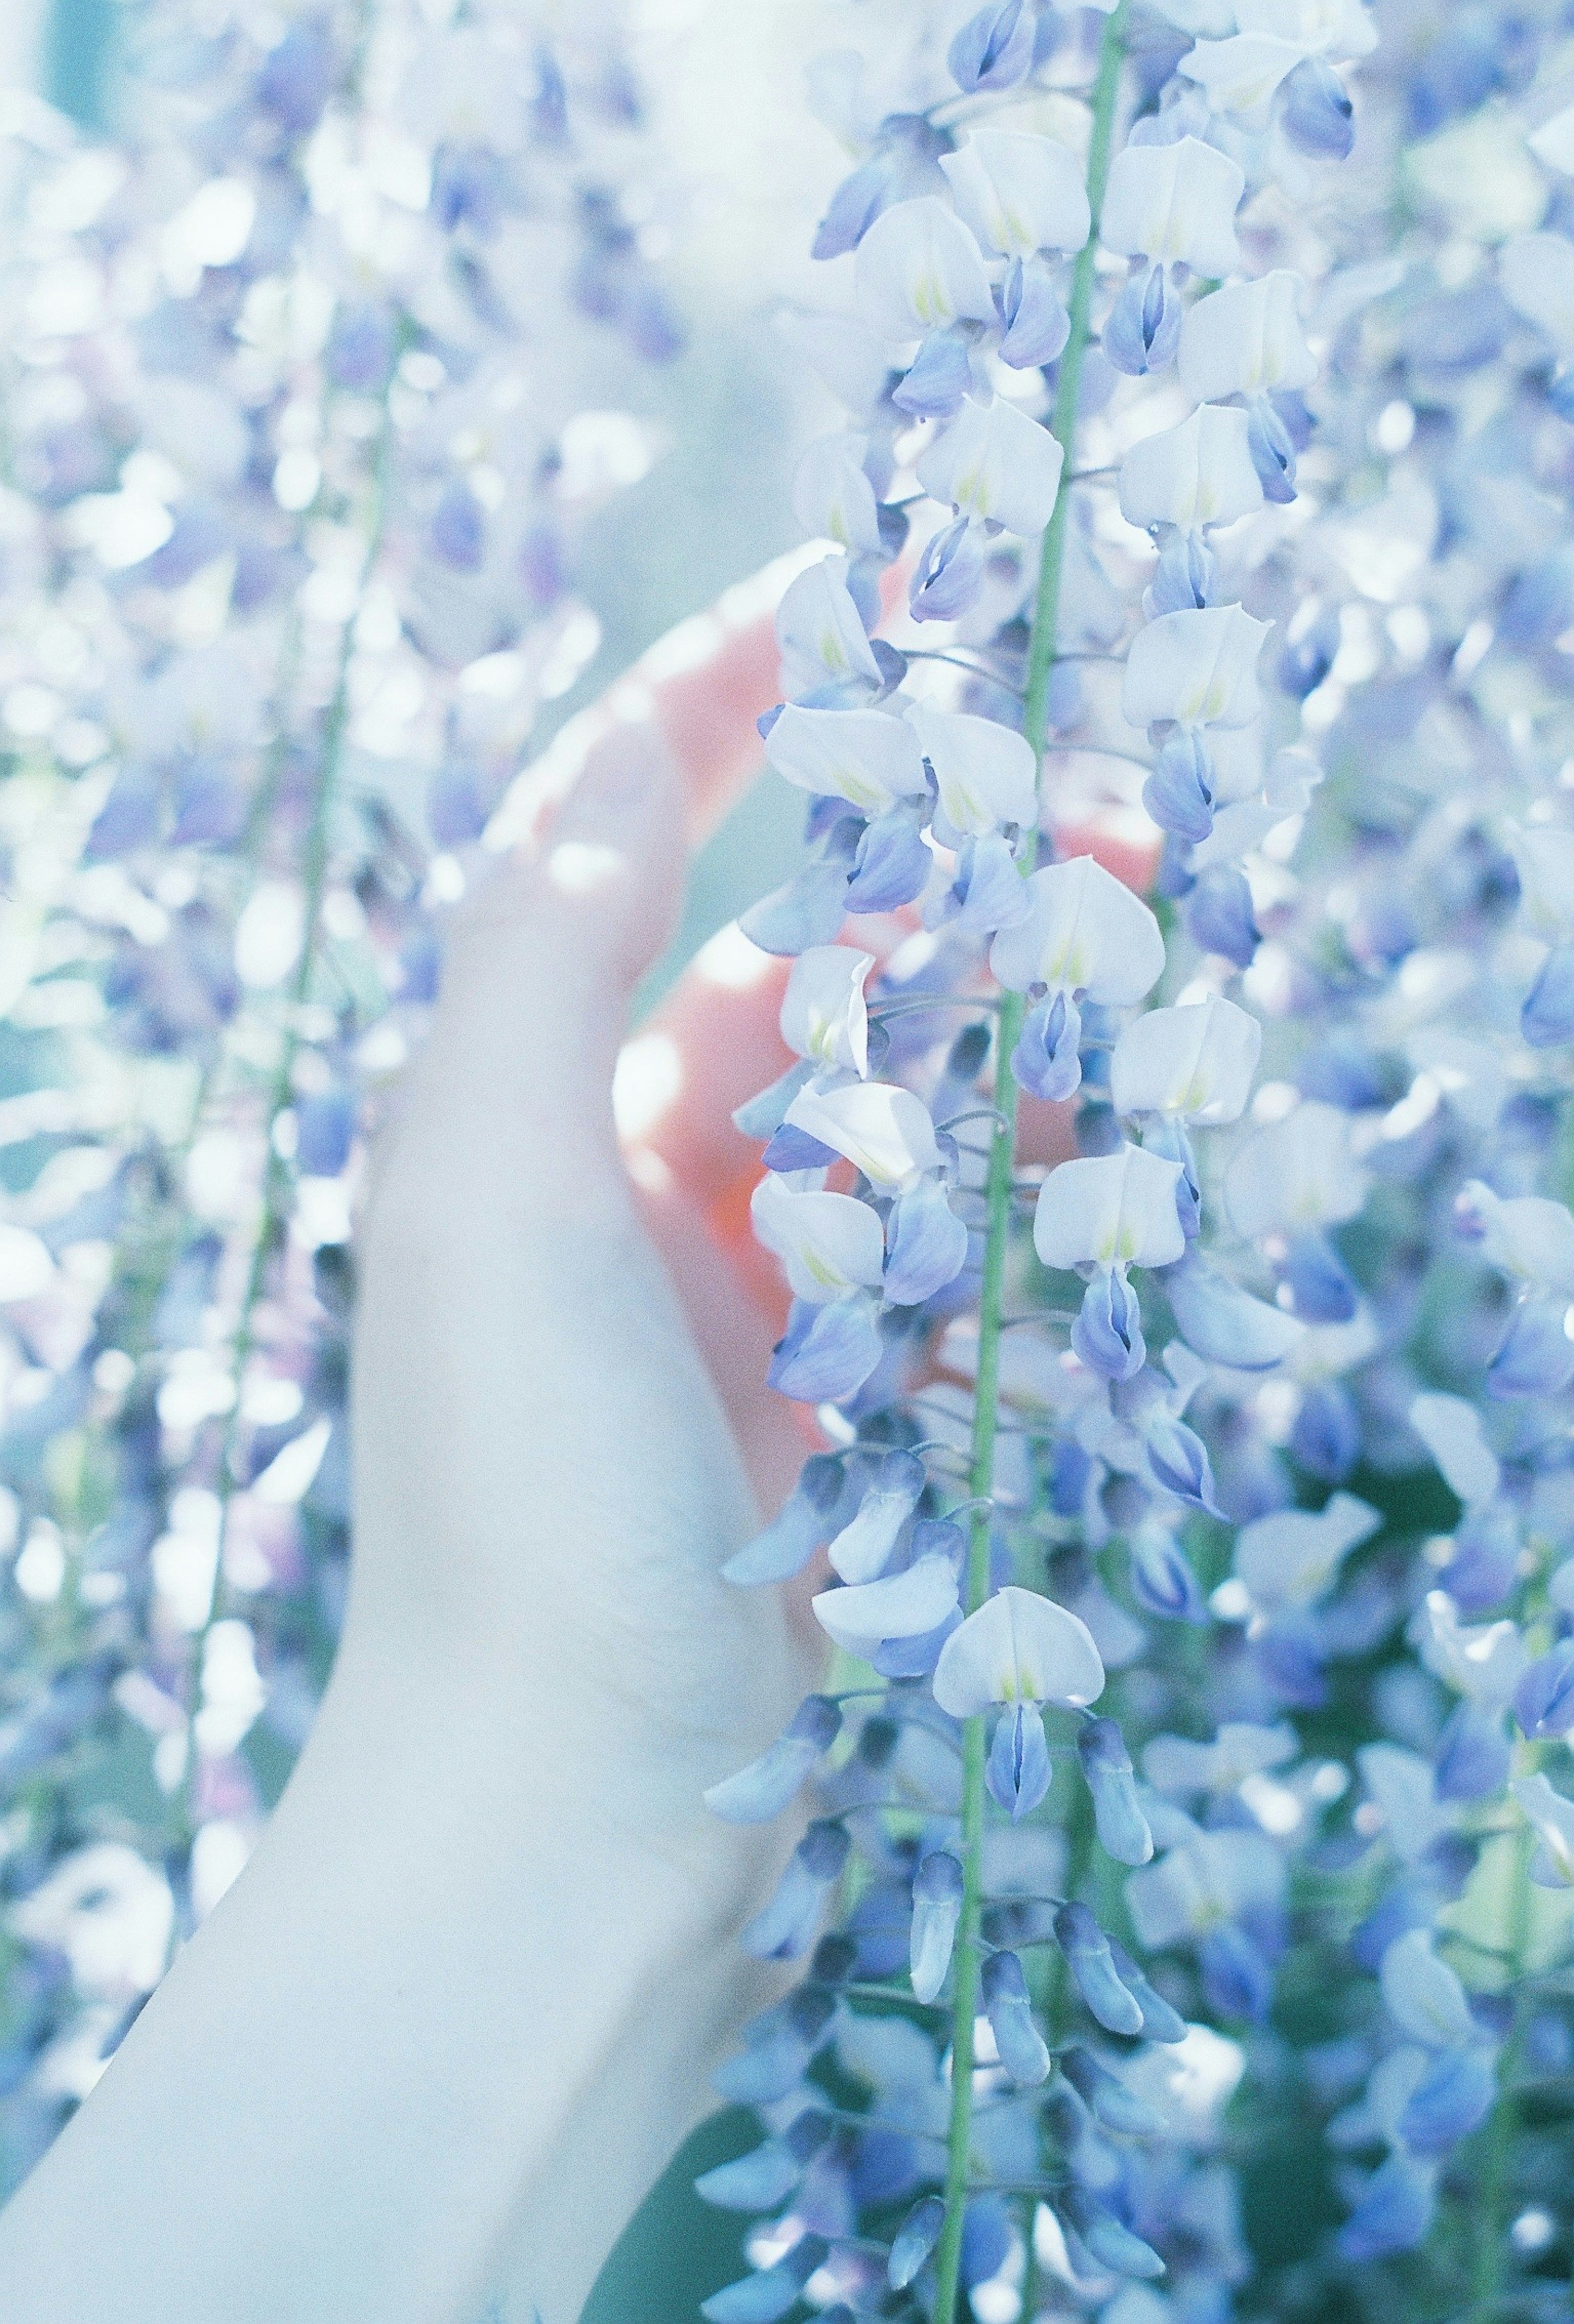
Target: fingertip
(598,882)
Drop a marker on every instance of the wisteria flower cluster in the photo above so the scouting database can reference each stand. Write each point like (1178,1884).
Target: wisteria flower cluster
(1172,1184)
(307,392)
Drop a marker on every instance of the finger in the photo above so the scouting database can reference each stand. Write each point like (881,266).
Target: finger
(518,1075)
(539,966)
(523,1361)
(701,687)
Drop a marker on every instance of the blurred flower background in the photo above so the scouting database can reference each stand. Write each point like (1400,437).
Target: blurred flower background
(380,378)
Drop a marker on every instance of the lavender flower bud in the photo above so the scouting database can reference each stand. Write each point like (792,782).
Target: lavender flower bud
(915,2240)
(1122,1829)
(778,2047)
(1037,324)
(1161,1579)
(1144,329)
(994,49)
(1547,1019)
(1219,916)
(1452,2097)
(1110,2243)
(1159,2022)
(1116,2107)
(785,1928)
(1086,1950)
(1544,1701)
(1107,1333)
(1018,1769)
(1315,113)
(763,2298)
(938,377)
(950,574)
(763,1788)
(1021,2046)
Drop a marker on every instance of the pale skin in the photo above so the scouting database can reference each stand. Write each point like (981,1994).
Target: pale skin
(428,2053)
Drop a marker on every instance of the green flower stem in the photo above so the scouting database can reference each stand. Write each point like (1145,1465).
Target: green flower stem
(1494,2186)
(276,1178)
(1040,652)
(1040,661)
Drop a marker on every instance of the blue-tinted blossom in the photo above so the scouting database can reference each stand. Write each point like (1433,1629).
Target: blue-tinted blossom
(915,2240)
(1017,2039)
(1122,1829)
(1318,1348)
(937,1907)
(1086,1950)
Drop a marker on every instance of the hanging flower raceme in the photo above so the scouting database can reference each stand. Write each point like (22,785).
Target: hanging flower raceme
(278,509)
(976,1423)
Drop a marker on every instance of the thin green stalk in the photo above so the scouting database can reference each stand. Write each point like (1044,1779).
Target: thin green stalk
(277,1176)
(1040,652)
(1040,658)
(1497,2155)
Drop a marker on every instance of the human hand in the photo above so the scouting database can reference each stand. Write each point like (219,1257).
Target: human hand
(452,2019)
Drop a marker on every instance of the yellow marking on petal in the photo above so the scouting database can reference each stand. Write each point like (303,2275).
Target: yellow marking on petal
(929,303)
(970,491)
(858,788)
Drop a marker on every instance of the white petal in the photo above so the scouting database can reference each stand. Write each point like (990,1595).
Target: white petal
(883,1129)
(1554,1818)
(1553,143)
(1424,1997)
(1199,668)
(1450,1429)
(1019,194)
(1530,1236)
(1295,1174)
(996,464)
(1173,1764)
(1175,203)
(1018,1647)
(1209,1879)
(1543,855)
(1197,474)
(1483,1661)
(820,633)
(1404,1789)
(1246,339)
(918,270)
(859,1552)
(26,1267)
(1240,75)
(1196,1062)
(832,497)
(823,1011)
(1341,29)
(1086,932)
(863,756)
(822,1239)
(1537,275)
(1109,1210)
(1201,19)
(1290,1558)
(904,1606)
(986,774)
